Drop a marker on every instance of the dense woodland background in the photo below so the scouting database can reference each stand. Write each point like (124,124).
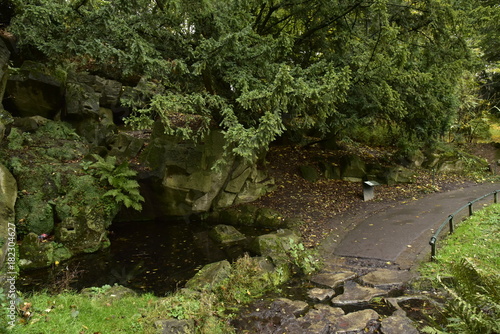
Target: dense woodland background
(417,71)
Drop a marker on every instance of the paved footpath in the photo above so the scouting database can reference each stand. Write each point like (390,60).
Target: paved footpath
(401,234)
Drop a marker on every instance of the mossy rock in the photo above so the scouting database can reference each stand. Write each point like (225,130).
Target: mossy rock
(226,234)
(210,276)
(399,175)
(353,168)
(8,196)
(124,146)
(241,215)
(171,326)
(275,245)
(330,170)
(252,190)
(266,217)
(309,173)
(293,223)
(5,121)
(57,196)
(115,292)
(34,92)
(4,69)
(35,253)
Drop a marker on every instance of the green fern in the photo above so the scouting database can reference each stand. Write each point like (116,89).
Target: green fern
(474,306)
(124,189)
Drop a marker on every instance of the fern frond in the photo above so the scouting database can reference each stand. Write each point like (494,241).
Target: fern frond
(120,178)
(113,193)
(474,305)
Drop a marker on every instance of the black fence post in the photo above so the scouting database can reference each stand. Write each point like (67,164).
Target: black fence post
(433,248)
(433,239)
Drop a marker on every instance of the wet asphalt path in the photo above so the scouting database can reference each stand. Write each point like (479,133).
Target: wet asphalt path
(401,234)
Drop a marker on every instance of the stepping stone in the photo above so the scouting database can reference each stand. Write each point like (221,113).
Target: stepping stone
(320,295)
(356,294)
(319,319)
(288,306)
(386,279)
(174,326)
(355,322)
(333,280)
(398,323)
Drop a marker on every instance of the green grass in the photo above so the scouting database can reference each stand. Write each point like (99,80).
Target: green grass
(494,123)
(100,312)
(495,132)
(476,239)
(73,313)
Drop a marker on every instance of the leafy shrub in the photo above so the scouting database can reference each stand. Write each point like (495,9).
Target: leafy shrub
(306,260)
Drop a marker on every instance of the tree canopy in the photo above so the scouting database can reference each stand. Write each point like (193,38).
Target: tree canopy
(256,68)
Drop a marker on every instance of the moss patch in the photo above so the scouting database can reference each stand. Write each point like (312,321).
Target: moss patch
(57,195)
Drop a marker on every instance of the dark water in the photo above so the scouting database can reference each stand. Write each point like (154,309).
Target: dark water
(154,256)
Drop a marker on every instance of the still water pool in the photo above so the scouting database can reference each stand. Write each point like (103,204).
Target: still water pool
(154,256)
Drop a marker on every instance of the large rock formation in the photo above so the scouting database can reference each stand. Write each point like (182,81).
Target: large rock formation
(58,198)
(181,173)
(183,178)
(33,92)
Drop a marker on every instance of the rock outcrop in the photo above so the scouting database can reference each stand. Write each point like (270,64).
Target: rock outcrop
(34,92)
(184,179)
(61,210)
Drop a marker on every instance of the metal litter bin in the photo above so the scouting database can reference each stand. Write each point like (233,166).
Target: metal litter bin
(369,190)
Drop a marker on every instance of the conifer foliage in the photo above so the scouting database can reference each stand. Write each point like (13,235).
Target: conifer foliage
(258,68)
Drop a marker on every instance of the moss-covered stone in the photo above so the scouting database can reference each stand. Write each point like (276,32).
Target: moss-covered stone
(185,169)
(38,253)
(397,175)
(4,68)
(33,91)
(255,187)
(275,245)
(309,173)
(353,168)
(266,217)
(57,196)
(226,234)
(210,276)
(124,146)
(5,120)
(112,293)
(8,196)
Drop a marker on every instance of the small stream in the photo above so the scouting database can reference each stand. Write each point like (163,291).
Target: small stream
(156,256)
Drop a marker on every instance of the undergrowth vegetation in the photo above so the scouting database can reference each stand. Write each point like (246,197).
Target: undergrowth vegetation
(210,309)
(467,274)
